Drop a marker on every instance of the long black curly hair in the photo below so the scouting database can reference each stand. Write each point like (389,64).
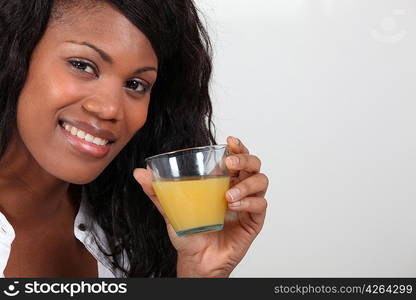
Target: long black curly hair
(179,116)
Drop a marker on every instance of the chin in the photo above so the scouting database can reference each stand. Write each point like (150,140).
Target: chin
(77,176)
(80,181)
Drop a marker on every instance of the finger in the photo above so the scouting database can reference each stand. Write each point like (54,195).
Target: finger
(243,162)
(253,205)
(144,178)
(251,213)
(254,185)
(236,146)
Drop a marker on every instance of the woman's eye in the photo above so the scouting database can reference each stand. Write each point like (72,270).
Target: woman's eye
(83,66)
(137,86)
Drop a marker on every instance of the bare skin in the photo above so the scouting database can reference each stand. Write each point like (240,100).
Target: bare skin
(49,249)
(39,165)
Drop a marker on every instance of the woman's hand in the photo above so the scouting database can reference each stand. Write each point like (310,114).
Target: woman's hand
(216,253)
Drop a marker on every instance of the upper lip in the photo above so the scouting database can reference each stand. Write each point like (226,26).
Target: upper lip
(92,129)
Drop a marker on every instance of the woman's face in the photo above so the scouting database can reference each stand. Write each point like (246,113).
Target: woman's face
(91,73)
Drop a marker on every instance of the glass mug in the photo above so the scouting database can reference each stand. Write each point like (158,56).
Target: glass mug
(190,185)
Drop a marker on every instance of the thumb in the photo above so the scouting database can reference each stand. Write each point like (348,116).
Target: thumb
(144,178)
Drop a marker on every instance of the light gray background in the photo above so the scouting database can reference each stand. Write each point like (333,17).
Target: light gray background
(323,91)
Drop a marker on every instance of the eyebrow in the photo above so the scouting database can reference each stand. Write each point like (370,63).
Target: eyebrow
(107,57)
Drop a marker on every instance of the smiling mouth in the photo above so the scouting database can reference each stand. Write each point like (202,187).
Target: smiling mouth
(76,132)
(89,145)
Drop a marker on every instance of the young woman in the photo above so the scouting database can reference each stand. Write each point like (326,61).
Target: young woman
(88,89)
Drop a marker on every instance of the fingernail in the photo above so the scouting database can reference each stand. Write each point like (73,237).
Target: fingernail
(233,160)
(236,140)
(237,203)
(234,193)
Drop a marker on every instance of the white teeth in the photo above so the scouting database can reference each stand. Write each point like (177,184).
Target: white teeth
(98,141)
(89,138)
(83,135)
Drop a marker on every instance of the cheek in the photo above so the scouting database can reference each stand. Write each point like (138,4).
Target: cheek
(47,91)
(41,99)
(64,91)
(137,116)
(61,88)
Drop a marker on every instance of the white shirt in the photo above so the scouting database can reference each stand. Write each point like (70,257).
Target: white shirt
(83,226)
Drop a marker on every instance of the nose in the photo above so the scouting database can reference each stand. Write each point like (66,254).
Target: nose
(105,105)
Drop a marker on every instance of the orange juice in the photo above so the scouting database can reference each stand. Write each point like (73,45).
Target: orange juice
(193,203)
